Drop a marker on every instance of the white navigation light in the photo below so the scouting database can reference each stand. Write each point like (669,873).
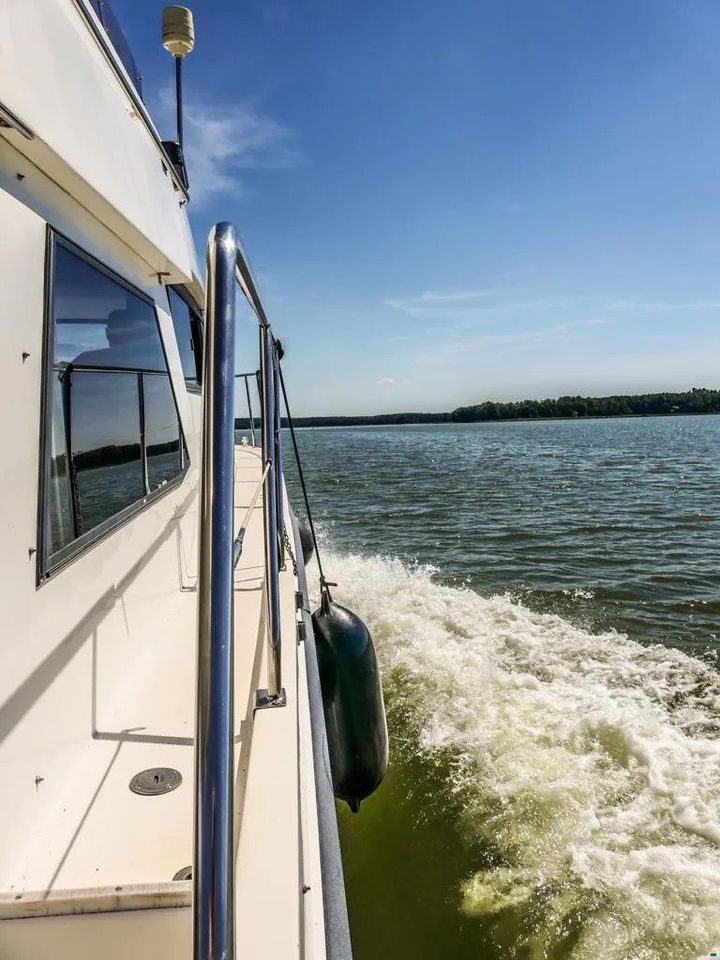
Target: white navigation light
(178,32)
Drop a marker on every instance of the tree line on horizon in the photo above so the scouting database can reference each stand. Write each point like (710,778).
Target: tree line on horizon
(695,401)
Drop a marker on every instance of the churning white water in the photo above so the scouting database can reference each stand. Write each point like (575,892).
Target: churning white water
(588,765)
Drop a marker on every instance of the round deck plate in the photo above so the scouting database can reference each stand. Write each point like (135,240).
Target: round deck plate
(155,781)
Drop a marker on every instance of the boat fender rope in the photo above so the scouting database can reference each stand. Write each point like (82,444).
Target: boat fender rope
(325,584)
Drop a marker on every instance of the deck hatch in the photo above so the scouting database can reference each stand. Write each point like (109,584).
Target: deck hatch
(155,781)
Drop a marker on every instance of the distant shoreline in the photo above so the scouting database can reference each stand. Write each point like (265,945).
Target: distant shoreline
(695,402)
(308,423)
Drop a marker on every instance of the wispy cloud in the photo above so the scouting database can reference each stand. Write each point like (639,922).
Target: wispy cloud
(449,351)
(451,296)
(640,306)
(224,140)
(386,382)
(466,307)
(495,344)
(433,300)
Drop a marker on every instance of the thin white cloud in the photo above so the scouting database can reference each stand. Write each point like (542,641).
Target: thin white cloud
(525,335)
(447,351)
(223,140)
(467,306)
(622,306)
(431,300)
(452,296)
(386,382)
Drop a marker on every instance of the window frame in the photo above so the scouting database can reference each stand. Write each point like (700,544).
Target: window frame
(50,564)
(197,332)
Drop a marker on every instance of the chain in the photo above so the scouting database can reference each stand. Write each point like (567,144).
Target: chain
(286,541)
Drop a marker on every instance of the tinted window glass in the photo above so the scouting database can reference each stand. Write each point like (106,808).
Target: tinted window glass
(113,435)
(62,523)
(189,338)
(100,322)
(106,454)
(162,435)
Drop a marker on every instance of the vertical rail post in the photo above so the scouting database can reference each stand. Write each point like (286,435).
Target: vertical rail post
(213,894)
(250,409)
(274,695)
(276,354)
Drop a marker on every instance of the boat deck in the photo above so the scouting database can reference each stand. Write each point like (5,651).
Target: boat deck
(82,841)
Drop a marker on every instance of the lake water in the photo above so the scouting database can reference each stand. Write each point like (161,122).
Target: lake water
(545,602)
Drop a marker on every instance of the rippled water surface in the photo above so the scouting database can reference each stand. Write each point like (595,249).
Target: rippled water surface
(544,600)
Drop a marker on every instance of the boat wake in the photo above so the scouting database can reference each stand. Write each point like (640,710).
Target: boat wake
(587,766)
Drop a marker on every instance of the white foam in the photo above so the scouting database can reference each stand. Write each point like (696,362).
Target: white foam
(589,764)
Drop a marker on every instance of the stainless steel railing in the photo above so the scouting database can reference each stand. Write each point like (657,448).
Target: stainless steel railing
(274,692)
(238,541)
(213,867)
(272,494)
(251,417)
(277,446)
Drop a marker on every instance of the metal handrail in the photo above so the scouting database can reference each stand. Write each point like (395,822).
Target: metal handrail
(272,501)
(238,541)
(247,284)
(139,108)
(213,868)
(251,418)
(277,454)
(274,692)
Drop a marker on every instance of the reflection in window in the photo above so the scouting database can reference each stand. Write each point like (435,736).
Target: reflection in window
(99,322)
(62,522)
(106,454)
(188,333)
(162,435)
(113,435)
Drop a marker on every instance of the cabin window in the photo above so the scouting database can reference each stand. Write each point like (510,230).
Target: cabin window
(113,437)
(188,332)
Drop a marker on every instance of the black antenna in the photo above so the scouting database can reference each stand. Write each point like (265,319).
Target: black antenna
(178,37)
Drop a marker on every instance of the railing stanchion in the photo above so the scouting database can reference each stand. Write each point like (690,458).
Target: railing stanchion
(250,409)
(274,695)
(213,868)
(251,416)
(278,455)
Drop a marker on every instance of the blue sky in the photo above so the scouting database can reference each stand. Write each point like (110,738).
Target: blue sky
(450,202)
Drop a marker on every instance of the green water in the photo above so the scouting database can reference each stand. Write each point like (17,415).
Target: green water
(544,601)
